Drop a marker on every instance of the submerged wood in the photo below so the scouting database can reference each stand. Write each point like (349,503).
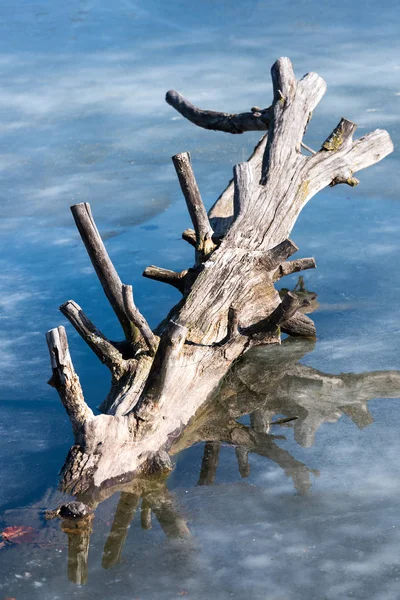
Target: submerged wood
(229,300)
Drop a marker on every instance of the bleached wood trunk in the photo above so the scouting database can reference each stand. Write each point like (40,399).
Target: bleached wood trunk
(229,304)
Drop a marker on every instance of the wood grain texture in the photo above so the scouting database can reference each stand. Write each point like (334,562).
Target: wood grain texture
(194,202)
(65,380)
(103,265)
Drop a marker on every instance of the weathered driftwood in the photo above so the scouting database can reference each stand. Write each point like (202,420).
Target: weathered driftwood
(229,301)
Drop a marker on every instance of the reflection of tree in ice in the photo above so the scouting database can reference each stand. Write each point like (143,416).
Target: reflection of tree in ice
(266,385)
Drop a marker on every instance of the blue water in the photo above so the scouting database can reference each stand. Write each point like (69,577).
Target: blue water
(83,119)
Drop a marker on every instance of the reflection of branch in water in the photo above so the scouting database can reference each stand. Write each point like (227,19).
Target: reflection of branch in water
(266,385)
(242,456)
(359,414)
(304,294)
(320,398)
(145,515)
(163,505)
(78,533)
(313,396)
(124,514)
(157,500)
(259,421)
(209,463)
(263,444)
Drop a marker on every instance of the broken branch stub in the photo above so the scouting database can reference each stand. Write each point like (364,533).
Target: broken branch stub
(65,380)
(229,300)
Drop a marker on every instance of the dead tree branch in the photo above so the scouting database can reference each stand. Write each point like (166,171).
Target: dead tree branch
(138,319)
(294,266)
(173,278)
(65,380)
(103,266)
(95,339)
(194,202)
(209,119)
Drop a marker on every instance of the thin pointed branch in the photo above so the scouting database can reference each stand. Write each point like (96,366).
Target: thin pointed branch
(65,380)
(138,319)
(294,266)
(103,266)
(310,150)
(197,211)
(95,339)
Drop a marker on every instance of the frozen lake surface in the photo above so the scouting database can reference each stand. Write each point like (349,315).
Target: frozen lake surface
(83,119)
